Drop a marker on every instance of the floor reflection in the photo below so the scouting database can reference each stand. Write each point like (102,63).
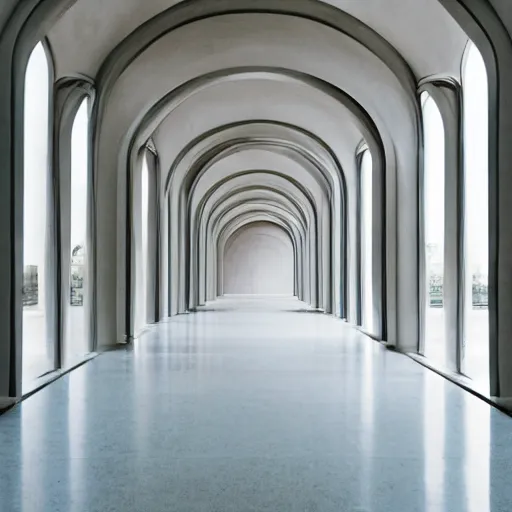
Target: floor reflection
(434,442)
(39,346)
(370,352)
(261,408)
(477,452)
(476,360)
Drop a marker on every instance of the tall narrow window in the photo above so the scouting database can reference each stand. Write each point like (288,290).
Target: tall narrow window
(38,344)
(366,242)
(433,208)
(141,245)
(476,361)
(77,339)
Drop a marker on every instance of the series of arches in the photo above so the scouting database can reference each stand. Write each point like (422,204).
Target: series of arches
(206,119)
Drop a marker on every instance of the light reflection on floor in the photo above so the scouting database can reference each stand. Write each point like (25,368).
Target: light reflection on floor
(249,406)
(477,344)
(39,346)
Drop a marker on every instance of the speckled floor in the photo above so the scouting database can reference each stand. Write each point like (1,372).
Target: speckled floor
(254,405)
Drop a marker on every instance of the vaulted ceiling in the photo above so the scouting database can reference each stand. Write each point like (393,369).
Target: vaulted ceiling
(257,110)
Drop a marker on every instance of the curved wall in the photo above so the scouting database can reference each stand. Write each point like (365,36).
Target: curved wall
(258,259)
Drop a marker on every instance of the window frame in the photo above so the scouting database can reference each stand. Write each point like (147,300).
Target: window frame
(424,97)
(52,199)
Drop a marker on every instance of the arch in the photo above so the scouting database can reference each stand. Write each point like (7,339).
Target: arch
(366,249)
(182,14)
(381,178)
(233,220)
(370,138)
(77,341)
(40,354)
(404,219)
(466,12)
(146,247)
(433,336)
(488,30)
(311,218)
(321,203)
(236,204)
(249,141)
(70,95)
(246,248)
(475,352)
(182,231)
(251,217)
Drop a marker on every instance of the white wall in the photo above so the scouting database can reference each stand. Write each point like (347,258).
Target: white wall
(258,259)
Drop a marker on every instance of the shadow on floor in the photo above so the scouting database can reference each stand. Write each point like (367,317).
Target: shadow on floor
(304,310)
(212,310)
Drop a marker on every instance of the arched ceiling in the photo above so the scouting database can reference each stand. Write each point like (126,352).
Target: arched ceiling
(150,59)
(275,105)
(287,87)
(427,37)
(242,51)
(262,158)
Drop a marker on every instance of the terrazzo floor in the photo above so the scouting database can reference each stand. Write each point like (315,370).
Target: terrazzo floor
(254,405)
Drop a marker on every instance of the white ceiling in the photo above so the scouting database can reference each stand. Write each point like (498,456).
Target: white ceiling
(421,30)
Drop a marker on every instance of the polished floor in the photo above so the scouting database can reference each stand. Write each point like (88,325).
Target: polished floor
(254,405)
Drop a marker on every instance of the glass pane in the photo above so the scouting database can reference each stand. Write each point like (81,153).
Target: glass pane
(77,339)
(434,154)
(476,362)
(366,243)
(38,346)
(141,249)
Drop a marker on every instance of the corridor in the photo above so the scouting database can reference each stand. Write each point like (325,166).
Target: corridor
(253,405)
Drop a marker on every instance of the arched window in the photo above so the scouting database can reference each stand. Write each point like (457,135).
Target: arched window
(77,338)
(38,344)
(366,183)
(476,217)
(433,231)
(141,219)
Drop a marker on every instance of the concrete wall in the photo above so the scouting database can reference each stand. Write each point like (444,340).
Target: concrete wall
(259,260)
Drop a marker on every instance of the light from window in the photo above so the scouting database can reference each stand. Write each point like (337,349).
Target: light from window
(367,242)
(476,361)
(434,219)
(77,339)
(141,248)
(38,346)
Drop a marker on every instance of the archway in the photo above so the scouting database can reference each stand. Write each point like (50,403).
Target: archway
(258,260)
